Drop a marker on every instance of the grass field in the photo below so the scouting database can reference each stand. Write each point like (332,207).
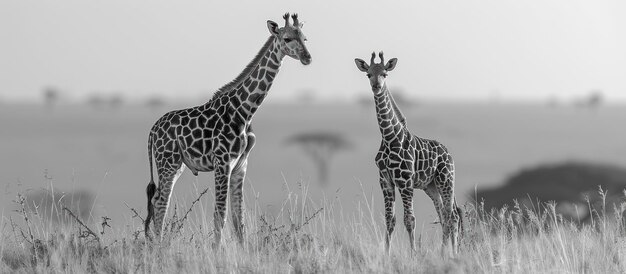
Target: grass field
(293,223)
(307,237)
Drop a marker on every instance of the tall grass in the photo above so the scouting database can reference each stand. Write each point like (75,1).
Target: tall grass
(313,236)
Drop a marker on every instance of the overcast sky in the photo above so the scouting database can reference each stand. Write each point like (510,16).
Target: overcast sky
(463,50)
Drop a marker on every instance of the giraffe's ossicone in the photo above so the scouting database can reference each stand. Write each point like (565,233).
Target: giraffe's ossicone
(217,136)
(408,162)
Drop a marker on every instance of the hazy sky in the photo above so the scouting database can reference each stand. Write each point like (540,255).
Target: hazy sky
(470,49)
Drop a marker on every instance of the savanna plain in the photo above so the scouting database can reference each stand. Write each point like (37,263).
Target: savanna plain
(74,180)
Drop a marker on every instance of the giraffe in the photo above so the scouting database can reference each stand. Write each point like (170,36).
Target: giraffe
(408,162)
(217,136)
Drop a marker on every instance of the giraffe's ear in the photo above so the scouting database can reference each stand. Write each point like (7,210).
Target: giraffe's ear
(361,65)
(273,27)
(391,64)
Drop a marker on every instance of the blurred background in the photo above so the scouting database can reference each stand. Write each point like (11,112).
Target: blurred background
(529,96)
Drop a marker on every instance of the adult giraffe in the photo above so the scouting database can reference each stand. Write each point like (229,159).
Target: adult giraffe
(217,136)
(408,162)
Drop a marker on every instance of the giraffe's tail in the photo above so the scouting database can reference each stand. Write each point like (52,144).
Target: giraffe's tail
(150,190)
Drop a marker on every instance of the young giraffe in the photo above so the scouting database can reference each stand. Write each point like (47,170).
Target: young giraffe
(409,162)
(217,136)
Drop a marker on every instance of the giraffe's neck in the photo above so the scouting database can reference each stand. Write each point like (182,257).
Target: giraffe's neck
(389,123)
(251,91)
(396,109)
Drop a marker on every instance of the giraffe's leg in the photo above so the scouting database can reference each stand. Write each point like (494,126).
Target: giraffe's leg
(222,178)
(161,199)
(236,198)
(461,227)
(236,190)
(389,196)
(450,215)
(409,218)
(432,192)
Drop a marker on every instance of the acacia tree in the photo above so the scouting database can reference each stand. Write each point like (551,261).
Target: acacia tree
(155,102)
(116,101)
(592,101)
(321,147)
(595,99)
(50,96)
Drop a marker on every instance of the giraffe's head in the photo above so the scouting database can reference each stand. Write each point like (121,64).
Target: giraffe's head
(376,72)
(290,38)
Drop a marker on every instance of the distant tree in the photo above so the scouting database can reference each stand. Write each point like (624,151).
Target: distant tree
(321,147)
(99,101)
(51,96)
(116,101)
(155,102)
(592,101)
(96,101)
(306,96)
(595,99)
(552,102)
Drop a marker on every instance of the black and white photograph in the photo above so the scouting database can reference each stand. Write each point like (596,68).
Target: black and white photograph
(479,136)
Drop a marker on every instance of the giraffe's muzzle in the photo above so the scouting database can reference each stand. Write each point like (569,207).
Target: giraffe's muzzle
(305,61)
(305,58)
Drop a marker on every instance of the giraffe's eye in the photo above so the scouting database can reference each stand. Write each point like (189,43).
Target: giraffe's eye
(384,75)
(368,75)
(287,40)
